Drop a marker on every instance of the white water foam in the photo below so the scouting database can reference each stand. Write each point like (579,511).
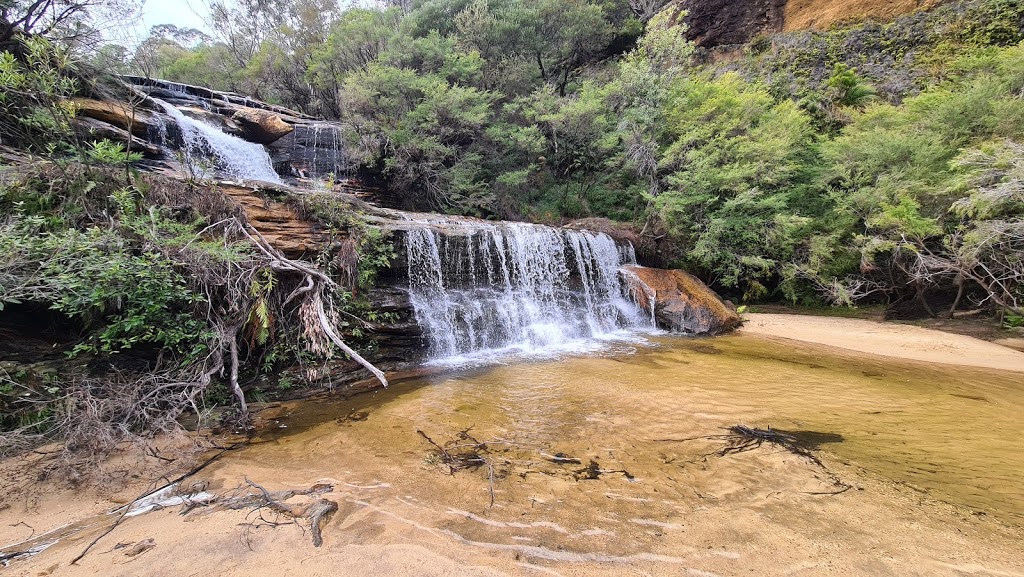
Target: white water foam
(487,292)
(237,158)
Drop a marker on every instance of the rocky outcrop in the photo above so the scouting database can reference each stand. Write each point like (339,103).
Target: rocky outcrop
(260,126)
(820,14)
(717,23)
(138,120)
(681,302)
(712,23)
(282,226)
(299,145)
(91,129)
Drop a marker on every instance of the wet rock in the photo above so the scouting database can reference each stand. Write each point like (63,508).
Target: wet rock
(225,123)
(260,126)
(682,303)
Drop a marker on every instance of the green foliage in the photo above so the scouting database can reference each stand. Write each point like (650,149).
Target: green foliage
(376,251)
(430,132)
(724,202)
(848,88)
(260,319)
(94,277)
(108,152)
(34,110)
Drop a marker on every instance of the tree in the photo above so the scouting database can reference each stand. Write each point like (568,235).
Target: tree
(427,132)
(54,19)
(736,158)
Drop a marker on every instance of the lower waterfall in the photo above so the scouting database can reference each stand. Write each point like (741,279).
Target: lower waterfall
(518,288)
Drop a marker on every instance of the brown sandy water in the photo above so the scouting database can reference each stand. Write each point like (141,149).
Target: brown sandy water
(948,431)
(930,453)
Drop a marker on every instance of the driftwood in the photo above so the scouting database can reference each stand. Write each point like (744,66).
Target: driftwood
(317,512)
(741,438)
(465,452)
(127,508)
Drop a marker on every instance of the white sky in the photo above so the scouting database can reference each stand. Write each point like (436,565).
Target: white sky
(182,13)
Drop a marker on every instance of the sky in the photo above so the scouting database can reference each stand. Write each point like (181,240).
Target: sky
(181,13)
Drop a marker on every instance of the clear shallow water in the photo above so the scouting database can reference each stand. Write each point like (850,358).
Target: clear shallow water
(950,432)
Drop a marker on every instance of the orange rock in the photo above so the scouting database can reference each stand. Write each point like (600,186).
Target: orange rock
(260,126)
(117,114)
(682,303)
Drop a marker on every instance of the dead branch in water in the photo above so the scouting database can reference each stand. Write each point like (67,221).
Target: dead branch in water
(317,512)
(464,452)
(742,438)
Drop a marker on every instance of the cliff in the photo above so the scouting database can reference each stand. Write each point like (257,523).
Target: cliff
(715,23)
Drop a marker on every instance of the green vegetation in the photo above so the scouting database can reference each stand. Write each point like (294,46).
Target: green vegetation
(153,307)
(817,165)
(875,162)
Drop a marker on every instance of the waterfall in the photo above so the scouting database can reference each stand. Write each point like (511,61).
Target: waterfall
(517,288)
(321,148)
(237,158)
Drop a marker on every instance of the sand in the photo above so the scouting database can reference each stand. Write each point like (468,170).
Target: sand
(886,339)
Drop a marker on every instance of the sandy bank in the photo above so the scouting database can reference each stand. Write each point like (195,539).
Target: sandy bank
(887,339)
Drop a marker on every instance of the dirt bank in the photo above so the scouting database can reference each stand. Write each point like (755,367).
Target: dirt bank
(887,339)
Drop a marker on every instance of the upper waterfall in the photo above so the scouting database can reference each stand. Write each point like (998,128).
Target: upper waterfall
(236,157)
(518,288)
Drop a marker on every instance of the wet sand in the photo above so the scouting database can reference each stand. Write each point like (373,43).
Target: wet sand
(896,494)
(887,339)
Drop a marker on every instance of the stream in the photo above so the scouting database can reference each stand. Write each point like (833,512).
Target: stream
(648,415)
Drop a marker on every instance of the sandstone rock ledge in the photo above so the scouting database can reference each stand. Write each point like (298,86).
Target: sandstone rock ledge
(682,303)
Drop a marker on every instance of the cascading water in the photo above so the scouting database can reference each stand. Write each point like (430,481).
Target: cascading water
(517,288)
(321,147)
(236,157)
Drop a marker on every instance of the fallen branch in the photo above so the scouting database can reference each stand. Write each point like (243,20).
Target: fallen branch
(318,513)
(125,509)
(468,457)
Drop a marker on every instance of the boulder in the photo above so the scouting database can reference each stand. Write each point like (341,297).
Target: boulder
(260,126)
(681,302)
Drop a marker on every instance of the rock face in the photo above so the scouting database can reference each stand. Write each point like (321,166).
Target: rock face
(714,23)
(117,114)
(299,145)
(682,303)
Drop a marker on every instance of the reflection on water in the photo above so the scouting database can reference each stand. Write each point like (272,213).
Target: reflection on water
(644,419)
